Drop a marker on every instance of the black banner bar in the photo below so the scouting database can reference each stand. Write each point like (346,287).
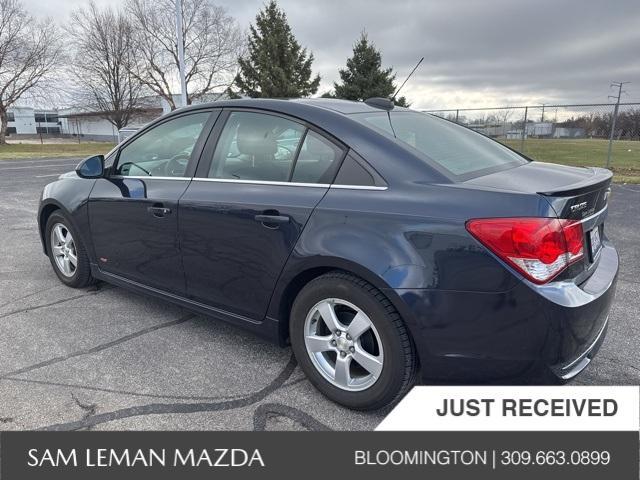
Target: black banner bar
(310,455)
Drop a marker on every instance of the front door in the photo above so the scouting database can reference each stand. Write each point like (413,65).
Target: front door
(133,212)
(241,216)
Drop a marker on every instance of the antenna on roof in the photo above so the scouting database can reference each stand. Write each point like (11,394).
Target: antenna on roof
(406,79)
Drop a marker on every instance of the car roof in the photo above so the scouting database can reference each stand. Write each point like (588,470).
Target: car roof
(338,105)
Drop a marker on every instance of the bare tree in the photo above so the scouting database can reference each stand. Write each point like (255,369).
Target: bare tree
(29,51)
(504,115)
(102,43)
(212,45)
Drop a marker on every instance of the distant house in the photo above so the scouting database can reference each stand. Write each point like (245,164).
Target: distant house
(539,129)
(569,132)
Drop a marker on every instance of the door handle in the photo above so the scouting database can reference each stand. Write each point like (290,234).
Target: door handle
(271,219)
(158,211)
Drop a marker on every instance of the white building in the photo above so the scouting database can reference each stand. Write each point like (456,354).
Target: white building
(92,125)
(569,132)
(85,122)
(539,129)
(30,121)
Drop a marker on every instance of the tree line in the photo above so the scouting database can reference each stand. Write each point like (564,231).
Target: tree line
(116,57)
(599,124)
(594,124)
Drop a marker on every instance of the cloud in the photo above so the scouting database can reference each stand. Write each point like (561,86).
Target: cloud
(477,53)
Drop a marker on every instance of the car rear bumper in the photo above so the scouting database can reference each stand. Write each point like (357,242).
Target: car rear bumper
(535,333)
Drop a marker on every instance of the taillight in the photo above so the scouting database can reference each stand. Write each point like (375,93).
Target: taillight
(539,248)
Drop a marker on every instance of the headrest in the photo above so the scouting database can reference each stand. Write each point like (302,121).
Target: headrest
(255,137)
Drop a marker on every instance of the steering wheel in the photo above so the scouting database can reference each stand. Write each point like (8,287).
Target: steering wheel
(177,165)
(132,164)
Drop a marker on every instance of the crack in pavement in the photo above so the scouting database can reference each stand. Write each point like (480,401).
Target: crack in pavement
(29,295)
(98,348)
(124,392)
(57,302)
(168,408)
(619,362)
(262,413)
(89,408)
(139,394)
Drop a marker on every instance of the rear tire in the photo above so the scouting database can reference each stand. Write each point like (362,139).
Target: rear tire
(363,356)
(67,253)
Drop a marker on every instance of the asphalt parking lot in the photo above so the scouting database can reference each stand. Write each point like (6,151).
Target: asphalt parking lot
(107,359)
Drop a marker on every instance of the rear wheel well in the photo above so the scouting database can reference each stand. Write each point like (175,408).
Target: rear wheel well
(293,289)
(44,216)
(291,292)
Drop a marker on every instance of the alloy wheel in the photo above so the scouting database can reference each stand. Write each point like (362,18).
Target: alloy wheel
(343,344)
(64,250)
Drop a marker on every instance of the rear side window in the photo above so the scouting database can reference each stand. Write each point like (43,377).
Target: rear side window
(256,146)
(264,147)
(460,151)
(317,160)
(352,173)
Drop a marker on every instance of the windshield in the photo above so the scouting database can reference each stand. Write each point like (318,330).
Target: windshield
(460,151)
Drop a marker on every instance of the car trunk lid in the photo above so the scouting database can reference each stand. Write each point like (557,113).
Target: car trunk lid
(574,193)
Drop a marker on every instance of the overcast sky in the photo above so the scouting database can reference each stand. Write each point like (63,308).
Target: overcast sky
(478,53)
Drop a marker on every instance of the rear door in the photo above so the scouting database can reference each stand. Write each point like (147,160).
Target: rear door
(260,177)
(133,210)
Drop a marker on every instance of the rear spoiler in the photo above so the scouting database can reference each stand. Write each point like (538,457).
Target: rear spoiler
(601,179)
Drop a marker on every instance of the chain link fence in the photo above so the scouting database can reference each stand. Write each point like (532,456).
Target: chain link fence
(581,135)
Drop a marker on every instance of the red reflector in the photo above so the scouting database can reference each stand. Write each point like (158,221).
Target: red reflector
(539,248)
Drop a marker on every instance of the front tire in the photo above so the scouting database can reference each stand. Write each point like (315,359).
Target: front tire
(351,342)
(67,253)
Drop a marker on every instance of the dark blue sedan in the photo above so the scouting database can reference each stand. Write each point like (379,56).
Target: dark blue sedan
(377,241)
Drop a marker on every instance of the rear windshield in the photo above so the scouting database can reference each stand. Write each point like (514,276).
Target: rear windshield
(461,152)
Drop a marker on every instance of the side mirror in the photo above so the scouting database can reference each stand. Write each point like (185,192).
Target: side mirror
(92,167)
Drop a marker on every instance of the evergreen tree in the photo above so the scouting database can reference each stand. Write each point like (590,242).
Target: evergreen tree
(364,76)
(276,65)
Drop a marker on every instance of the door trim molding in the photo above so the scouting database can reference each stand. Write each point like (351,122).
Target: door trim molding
(254,182)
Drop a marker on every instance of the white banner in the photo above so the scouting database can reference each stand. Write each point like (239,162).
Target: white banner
(526,408)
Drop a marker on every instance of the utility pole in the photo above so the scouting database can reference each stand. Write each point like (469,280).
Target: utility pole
(615,115)
(524,129)
(180,39)
(542,116)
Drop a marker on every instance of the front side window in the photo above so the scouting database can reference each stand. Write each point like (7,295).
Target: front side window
(256,146)
(460,151)
(163,151)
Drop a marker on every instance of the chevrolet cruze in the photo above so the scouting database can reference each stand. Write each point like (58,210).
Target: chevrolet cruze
(379,242)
